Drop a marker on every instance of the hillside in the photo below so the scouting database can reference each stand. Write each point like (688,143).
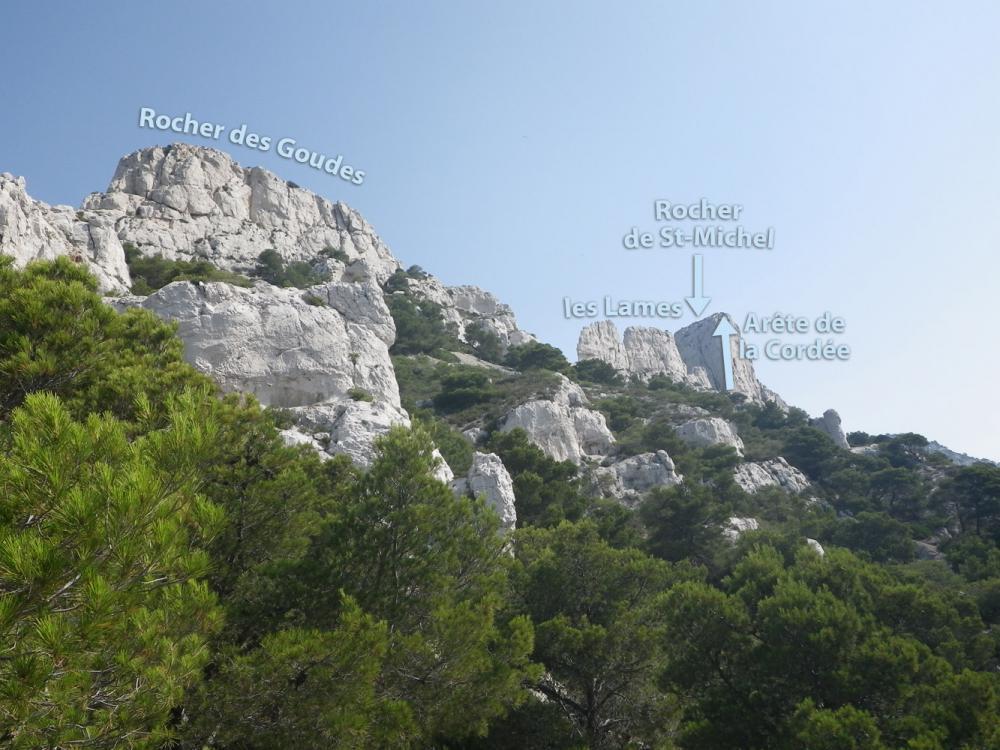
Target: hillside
(264,488)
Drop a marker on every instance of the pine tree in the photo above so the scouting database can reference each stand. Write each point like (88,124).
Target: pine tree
(103,618)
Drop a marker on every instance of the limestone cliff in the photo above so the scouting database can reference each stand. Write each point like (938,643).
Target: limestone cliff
(692,356)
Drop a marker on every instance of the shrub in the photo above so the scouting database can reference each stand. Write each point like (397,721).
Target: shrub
(360,394)
(152,272)
(397,282)
(484,342)
(314,300)
(334,252)
(273,269)
(537,356)
(420,326)
(463,389)
(596,371)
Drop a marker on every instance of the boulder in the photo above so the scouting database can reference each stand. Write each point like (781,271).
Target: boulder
(736,527)
(706,431)
(562,425)
(776,472)
(489,478)
(351,427)
(631,477)
(816,547)
(830,424)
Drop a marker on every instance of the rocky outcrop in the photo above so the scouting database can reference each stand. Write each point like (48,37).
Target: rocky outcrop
(643,352)
(830,424)
(562,425)
(348,427)
(33,230)
(489,478)
(959,459)
(704,432)
(736,527)
(815,547)
(351,428)
(777,472)
(631,477)
(462,306)
(702,355)
(189,202)
(270,342)
(692,356)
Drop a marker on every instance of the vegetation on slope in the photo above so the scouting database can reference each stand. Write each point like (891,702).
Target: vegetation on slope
(173,576)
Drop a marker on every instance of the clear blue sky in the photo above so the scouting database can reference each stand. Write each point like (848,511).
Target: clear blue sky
(510,145)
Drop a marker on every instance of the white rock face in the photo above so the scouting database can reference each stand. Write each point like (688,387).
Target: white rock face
(33,230)
(708,431)
(489,477)
(271,343)
(293,437)
(692,356)
(563,426)
(189,202)
(349,427)
(469,305)
(736,527)
(702,353)
(777,472)
(816,547)
(830,424)
(631,477)
(600,341)
(643,352)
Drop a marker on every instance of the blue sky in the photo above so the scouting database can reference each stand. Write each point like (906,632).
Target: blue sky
(511,145)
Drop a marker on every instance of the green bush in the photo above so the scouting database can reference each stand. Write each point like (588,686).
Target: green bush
(420,327)
(360,394)
(314,300)
(454,446)
(273,269)
(152,272)
(334,252)
(597,371)
(537,356)
(464,389)
(485,343)
(547,491)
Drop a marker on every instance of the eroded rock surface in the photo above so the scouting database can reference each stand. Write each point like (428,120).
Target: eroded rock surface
(631,477)
(642,352)
(563,426)
(189,203)
(33,230)
(693,355)
(462,306)
(777,472)
(703,432)
(488,477)
(270,342)
(830,424)
(736,527)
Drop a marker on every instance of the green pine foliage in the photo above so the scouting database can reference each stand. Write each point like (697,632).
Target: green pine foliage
(173,576)
(104,611)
